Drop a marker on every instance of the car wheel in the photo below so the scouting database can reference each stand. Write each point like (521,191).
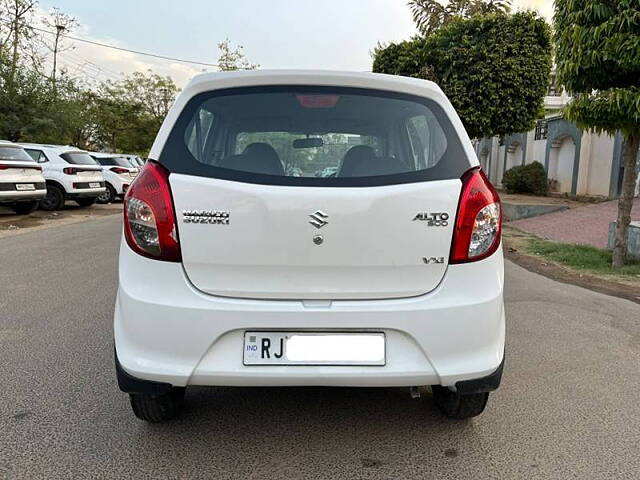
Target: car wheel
(157,408)
(86,202)
(455,405)
(108,196)
(25,208)
(54,200)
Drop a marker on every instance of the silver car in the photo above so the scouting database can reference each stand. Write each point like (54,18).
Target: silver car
(22,185)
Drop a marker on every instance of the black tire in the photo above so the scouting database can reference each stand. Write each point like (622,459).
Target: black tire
(109,196)
(157,408)
(25,208)
(86,201)
(54,200)
(457,406)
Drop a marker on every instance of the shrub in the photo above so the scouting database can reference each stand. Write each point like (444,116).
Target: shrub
(530,178)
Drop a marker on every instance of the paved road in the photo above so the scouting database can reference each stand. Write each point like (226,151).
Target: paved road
(588,224)
(568,407)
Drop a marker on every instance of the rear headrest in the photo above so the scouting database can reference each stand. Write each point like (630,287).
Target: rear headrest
(257,158)
(354,157)
(265,158)
(361,161)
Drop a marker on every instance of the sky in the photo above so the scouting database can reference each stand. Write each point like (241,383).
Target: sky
(331,34)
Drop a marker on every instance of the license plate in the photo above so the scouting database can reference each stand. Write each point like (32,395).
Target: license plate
(25,186)
(94,185)
(304,348)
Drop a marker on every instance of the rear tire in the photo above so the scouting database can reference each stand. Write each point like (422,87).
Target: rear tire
(455,405)
(157,408)
(109,196)
(86,202)
(54,200)
(25,208)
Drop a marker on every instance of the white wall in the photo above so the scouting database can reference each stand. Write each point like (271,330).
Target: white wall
(537,152)
(599,164)
(596,158)
(561,164)
(514,156)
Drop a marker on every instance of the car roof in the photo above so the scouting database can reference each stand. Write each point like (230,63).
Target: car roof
(7,143)
(106,155)
(58,148)
(311,77)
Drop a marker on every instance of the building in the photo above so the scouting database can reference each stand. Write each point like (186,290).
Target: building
(577,162)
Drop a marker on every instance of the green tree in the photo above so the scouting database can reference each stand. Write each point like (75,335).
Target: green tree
(231,59)
(598,60)
(494,68)
(128,113)
(431,15)
(23,95)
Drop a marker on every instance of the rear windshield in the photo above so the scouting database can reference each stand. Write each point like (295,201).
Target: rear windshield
(14,154)
(78,158)
(113,161)
(314,136)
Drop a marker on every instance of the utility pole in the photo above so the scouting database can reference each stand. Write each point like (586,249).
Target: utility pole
(59,31)
(165,101)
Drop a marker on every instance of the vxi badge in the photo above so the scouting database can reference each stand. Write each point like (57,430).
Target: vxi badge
(215,217)
(437,219)
(433,260)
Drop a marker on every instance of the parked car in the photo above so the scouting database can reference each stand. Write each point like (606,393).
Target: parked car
(22,185)
(135,160)
(70,174)
(118,174)
(388,274)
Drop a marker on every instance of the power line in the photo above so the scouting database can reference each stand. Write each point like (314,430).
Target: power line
(84,67)
(104,70)
(137,52)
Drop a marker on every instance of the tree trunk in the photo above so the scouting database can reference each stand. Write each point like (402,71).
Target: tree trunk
(625,203)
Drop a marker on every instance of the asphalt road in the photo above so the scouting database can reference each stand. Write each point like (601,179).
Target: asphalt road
(568,407)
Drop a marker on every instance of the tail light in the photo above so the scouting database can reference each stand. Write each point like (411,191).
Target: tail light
(149,218)
(70,170)
(479,221)
(119,170)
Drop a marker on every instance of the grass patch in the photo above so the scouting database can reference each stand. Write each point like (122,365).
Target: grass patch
(581,257)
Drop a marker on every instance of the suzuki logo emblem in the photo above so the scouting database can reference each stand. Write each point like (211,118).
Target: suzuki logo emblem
(319,219)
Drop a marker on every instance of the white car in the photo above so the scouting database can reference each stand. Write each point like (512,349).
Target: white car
(388,274)
(22,185)
(70,174)
(118,174)
(135,160)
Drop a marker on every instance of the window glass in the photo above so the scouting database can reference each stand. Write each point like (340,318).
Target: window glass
(37,155)
(113,161)
(428,142)
(14,153)
(319,133)
(320,161)
(78,158)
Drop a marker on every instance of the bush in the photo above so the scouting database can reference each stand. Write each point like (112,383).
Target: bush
(530,178)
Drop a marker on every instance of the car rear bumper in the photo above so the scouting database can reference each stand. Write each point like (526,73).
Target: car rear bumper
(84,192)
(22,196)
(169,332)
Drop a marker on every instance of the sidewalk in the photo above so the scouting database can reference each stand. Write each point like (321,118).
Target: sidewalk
(585,225)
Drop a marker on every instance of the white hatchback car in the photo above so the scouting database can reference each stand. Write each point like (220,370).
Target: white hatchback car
(386,273)
(118,174)
(22,185)
(70,173)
